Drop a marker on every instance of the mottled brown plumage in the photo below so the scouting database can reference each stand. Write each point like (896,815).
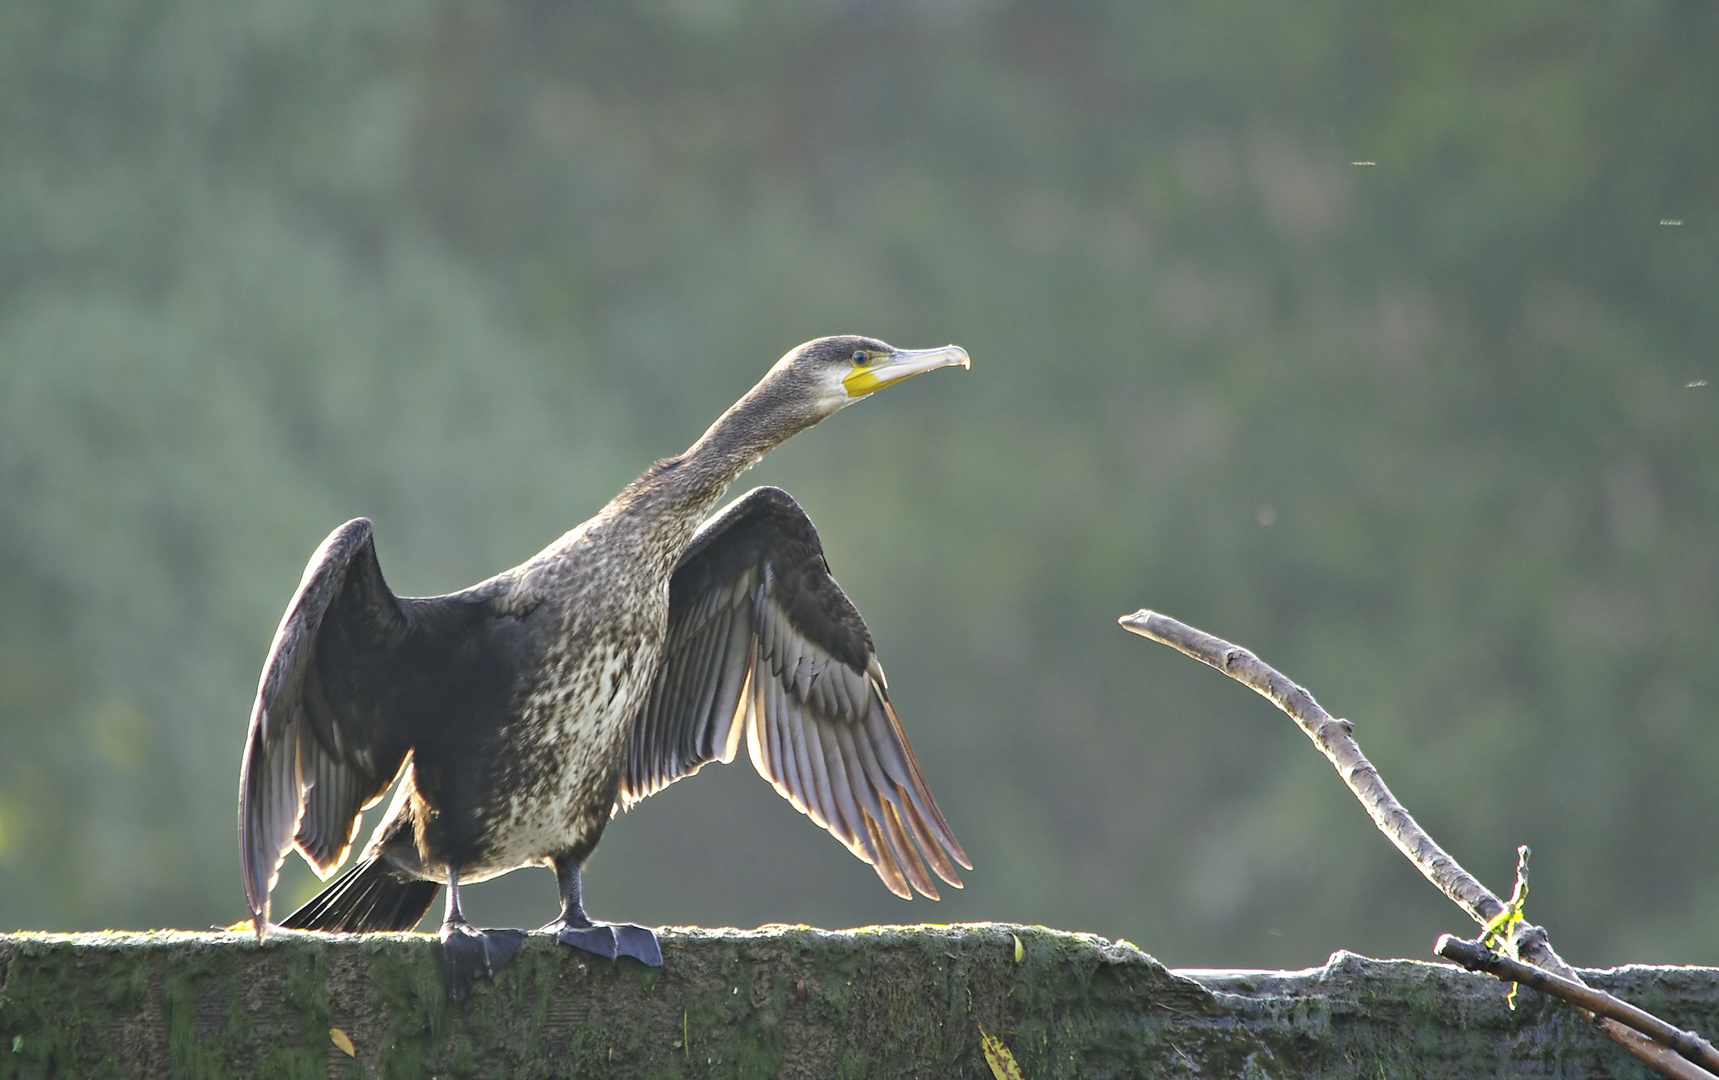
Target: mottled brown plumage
(520,714)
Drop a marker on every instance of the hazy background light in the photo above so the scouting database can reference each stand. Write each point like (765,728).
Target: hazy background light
(1414,431)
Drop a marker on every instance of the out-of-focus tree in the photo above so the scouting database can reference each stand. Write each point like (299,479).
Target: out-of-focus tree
(1420,431)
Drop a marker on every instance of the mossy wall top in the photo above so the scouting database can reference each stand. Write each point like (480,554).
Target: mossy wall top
(777,1002)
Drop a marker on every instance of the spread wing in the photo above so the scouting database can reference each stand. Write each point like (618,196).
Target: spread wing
(764,646)
(324,740)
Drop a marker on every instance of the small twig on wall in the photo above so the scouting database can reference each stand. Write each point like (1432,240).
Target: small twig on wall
(1335,739)
(1476,957)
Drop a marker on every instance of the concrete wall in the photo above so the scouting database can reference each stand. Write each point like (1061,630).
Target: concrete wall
(780,1001)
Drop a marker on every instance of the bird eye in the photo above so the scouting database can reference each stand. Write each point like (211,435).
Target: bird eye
(860,356)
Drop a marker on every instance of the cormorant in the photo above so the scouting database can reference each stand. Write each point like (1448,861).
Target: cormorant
(521,714)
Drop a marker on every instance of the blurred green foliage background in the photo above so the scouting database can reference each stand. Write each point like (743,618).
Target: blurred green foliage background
(1433,434)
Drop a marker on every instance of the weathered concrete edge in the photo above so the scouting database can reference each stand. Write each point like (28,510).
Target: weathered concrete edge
(1245,982)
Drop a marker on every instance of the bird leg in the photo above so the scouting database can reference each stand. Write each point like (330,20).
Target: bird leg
(576,930)
(470,954)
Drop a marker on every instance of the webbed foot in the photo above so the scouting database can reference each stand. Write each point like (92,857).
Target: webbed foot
(470,954)
(609,940)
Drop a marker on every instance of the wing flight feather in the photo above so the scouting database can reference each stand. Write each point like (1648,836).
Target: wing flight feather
(314,756)
(764,646)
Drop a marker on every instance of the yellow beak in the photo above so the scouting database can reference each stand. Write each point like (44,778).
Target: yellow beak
(901,364)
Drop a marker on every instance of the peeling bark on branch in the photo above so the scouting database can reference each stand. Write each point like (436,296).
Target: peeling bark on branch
(777,1002)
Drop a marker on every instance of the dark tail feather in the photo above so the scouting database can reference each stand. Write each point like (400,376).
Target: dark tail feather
(370,896)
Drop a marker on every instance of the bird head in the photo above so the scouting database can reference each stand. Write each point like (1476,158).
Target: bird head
(834,372)
(812,382)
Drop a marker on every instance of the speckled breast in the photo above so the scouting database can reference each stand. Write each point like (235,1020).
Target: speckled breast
(554,790)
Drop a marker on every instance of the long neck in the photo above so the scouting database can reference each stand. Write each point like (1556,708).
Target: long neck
(677,493)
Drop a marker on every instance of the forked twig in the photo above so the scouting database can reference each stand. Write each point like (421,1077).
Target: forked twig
(1335,739)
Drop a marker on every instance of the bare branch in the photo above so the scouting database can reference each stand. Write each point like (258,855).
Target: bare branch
(1335,739)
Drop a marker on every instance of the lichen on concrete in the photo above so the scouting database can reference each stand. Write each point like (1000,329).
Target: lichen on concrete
(782,1001)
